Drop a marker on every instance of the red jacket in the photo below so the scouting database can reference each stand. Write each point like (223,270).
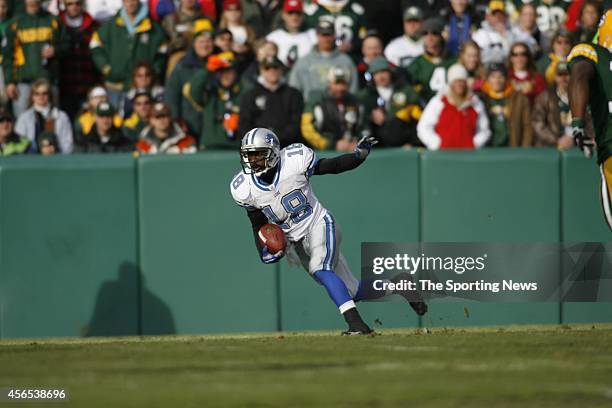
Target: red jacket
(446,126)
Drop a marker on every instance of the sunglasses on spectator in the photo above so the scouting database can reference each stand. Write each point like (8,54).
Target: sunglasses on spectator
(431,33)
(520,54)
(5,120)
(294,13)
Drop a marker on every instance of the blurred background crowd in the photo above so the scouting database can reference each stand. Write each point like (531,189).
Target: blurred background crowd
(178,76)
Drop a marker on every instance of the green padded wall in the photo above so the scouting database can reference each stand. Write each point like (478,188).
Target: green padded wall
(582,220)
(110,245)
(378,201)
(493,195)
(197,250)
(68,246)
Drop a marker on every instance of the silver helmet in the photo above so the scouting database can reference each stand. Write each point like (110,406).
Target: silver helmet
(263,147)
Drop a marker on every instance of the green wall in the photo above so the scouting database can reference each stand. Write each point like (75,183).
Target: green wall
(112,245)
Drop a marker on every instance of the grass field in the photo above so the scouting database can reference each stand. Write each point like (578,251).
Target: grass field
(525,366)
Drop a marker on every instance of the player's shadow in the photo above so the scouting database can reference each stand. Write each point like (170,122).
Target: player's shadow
(117,311)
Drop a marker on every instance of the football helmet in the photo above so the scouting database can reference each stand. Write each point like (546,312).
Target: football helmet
(259,151)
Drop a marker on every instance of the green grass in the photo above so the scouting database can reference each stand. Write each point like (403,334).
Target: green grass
(525,366)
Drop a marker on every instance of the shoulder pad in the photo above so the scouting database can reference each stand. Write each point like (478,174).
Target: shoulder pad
(357,8)
(240,190)
(310,9)
(299,158)
(583,50)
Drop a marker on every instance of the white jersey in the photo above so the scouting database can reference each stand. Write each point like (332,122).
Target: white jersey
(292,46)
(401,51)
(289,200)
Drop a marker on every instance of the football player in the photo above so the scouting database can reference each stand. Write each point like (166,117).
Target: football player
(274,187)
(591,84)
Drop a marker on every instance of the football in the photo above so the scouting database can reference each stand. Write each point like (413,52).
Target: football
(272,236)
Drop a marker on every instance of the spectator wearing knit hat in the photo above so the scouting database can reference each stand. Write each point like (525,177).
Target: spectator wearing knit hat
(194,61)
(180,26)
(509,111)
(292,39)
(391,110)
(455,118)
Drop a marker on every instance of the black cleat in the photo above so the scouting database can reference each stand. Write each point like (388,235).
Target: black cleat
(419,308)
(357,329)
(356,333)
(356,324)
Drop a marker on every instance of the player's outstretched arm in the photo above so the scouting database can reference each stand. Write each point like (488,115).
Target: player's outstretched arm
(348,161)
(582,71)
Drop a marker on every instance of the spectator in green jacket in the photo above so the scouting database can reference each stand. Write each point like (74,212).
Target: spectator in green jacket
(390,109)
(215,95)
(129,37)
(4,22)
(133,126)
(10,142)
(188,66)
(32,45)
(333,119)
(427,72)
(263,16)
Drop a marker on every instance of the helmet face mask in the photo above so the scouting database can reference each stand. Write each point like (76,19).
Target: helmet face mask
(259,152)
(254,161)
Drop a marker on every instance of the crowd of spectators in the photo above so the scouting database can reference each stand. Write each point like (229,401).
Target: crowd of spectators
(179,76)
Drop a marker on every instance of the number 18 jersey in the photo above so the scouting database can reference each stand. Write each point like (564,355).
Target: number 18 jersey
(289,200)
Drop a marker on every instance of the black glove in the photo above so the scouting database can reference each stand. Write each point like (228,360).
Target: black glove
(363,147)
